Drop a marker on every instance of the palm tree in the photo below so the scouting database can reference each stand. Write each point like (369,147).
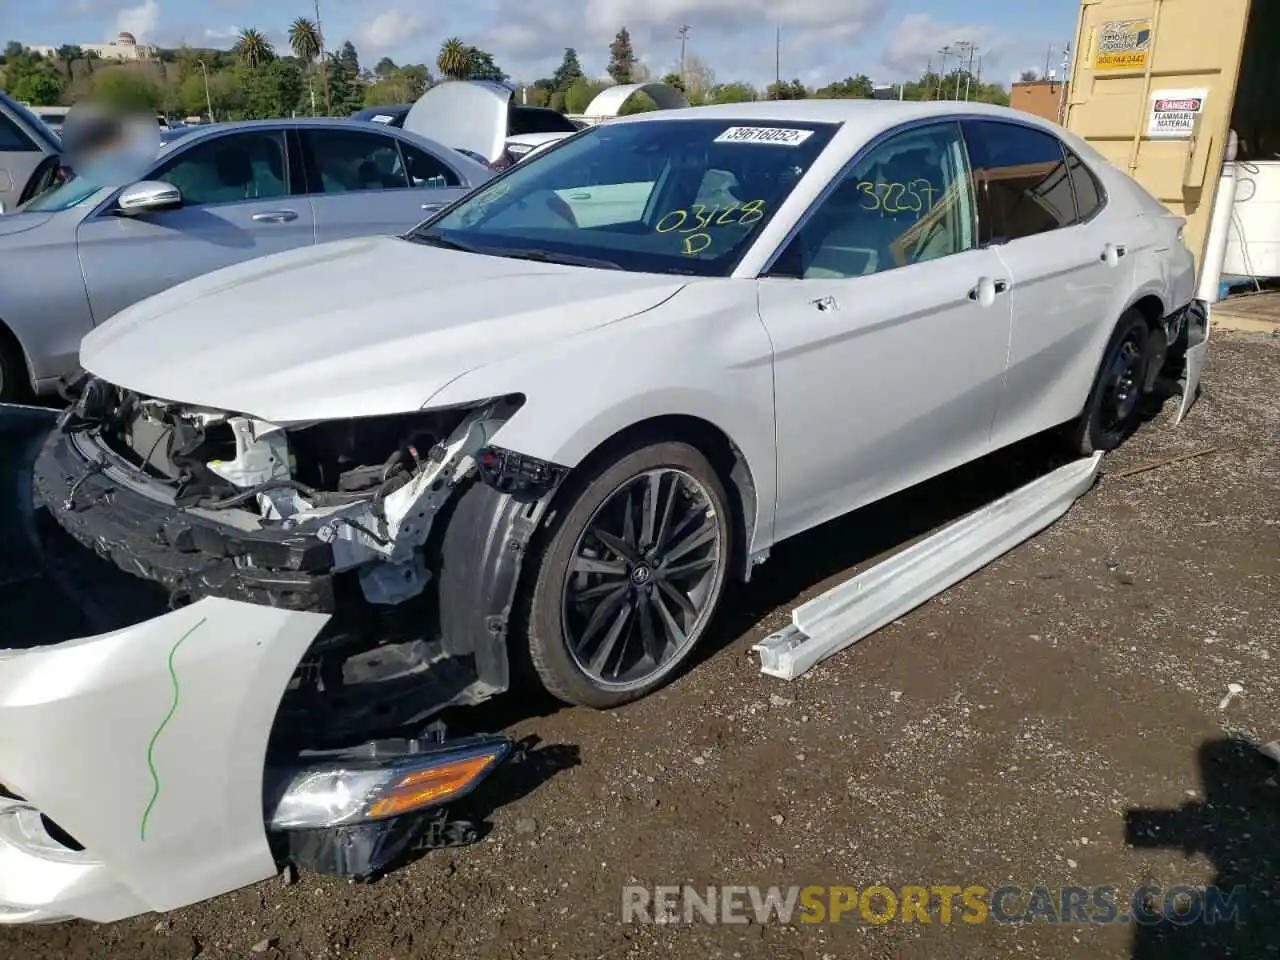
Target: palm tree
(455,59)
(253,48)
(308,45)
(304,38)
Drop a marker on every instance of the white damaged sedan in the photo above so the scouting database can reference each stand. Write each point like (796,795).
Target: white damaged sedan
(547,426)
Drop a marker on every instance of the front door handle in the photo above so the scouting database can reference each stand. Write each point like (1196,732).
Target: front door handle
(579,196)
(275,216)
(987,290)
(432,207)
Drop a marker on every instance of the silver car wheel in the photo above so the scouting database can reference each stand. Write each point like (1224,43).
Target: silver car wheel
(642,578)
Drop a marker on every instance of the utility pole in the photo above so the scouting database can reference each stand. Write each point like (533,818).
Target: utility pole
(963,47)
(208,100)
(684,35)
(1048,56)
(942,71)
(324,67)
(777,60)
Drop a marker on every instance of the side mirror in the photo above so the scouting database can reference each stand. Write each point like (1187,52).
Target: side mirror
(1,208)
(148,196)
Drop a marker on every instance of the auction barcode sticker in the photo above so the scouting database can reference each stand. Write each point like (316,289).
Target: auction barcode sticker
(776,135)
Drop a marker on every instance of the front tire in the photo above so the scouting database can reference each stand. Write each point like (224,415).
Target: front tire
(630,575)
(1111,412)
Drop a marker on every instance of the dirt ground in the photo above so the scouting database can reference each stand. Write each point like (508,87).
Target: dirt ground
(1005,732)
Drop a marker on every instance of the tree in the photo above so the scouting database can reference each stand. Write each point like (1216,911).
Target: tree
(384,68)
(638,102)
(850,88)
(698,79)
(454,60)
(537,96)
(349,56)
(733,93)
(272,90)
(127,89)
(674,80)
(253,48)
(580,94)
(480,66)
(787,90)
(41,89)
(304,40)
(344,84)
(568,71)
(1029,76)
(306,43)
(70,54)
(622,58)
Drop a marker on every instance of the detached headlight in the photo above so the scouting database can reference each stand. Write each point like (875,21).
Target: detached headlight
(352,788)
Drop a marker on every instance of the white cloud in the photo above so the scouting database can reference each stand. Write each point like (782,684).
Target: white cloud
(389,29)
(141,20)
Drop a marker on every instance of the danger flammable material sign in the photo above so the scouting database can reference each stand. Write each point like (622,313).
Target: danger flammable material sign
(1173,113)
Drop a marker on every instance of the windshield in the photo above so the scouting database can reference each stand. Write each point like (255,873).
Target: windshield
(63,197)
(657,196)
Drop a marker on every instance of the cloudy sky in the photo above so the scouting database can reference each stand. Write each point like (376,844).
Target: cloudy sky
(822,40)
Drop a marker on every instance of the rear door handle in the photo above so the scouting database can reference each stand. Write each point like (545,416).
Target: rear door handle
(432,207)
(275,216)
(579,196)
(1112,253)
(1001,286)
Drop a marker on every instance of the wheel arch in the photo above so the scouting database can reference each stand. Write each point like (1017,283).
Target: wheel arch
(726,458)
(11,345)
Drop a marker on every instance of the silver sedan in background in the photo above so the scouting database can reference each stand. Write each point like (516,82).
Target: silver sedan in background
(77,254)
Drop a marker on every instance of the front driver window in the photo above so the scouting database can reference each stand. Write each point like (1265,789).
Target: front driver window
(229,169)
(904,202)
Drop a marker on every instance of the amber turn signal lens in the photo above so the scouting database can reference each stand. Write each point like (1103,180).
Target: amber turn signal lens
(432,785)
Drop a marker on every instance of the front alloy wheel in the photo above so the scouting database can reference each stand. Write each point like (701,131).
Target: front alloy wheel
(631,576)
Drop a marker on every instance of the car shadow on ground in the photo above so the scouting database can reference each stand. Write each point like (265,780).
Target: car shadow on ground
(1236,826)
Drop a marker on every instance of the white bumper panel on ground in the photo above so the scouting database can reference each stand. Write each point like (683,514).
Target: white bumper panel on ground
(1197,353)
(147,745)
(846,613)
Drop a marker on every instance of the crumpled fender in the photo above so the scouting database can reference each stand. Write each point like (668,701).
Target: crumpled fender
(148,746)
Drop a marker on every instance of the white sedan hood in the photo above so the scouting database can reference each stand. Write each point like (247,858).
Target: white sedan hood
(353,328)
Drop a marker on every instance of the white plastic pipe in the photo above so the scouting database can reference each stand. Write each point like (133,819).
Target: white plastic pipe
(1215,247)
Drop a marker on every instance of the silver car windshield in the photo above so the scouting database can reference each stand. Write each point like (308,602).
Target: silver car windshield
(683,196)
(63,197)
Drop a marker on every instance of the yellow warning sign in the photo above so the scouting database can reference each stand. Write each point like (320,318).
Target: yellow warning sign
(1123,45)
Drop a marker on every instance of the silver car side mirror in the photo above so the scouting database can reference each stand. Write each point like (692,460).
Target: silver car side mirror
(148,196)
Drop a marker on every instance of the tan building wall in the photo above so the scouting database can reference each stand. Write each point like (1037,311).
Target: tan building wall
(1044,98)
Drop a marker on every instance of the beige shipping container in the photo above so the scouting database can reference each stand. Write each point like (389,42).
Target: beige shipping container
(1157,84)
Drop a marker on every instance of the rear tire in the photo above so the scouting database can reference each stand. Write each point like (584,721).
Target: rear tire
(1111,412)
(630,575)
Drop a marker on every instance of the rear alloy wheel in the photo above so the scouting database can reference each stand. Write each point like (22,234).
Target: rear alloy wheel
(631,576)
(1111,413)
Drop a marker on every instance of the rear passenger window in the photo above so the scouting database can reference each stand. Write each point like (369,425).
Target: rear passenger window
(12,139)
(1089,196)
(426,170)
(1020,176)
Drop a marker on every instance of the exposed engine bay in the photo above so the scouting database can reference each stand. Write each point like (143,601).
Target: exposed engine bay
(345,517)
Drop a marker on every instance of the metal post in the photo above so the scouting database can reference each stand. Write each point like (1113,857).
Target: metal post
(208,101)
(684,35)
(324,67)
(777,59)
